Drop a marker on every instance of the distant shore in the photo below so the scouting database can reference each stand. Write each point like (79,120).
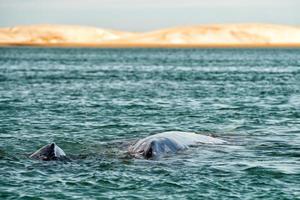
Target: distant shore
(91,45)
(202,36)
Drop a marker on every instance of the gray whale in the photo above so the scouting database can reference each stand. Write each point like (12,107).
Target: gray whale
(158,145)
(151,147)
(48,152)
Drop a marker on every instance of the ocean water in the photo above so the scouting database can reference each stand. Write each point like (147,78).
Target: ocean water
(94,102)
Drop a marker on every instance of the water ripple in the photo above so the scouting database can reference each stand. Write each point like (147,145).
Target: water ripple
(94,102)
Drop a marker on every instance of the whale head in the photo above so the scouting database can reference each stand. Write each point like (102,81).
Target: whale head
(48,152)
(153,148)
(160,147)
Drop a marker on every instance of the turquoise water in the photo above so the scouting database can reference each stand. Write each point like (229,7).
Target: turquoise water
(93,102)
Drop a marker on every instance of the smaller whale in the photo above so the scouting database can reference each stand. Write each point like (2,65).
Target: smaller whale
(161,144)
(48,152)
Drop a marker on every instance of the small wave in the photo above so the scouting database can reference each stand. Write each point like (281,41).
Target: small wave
(2,153)
(264,172)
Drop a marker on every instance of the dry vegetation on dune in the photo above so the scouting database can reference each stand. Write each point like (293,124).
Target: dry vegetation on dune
(205,35)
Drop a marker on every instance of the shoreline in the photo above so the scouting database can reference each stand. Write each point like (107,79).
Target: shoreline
(141,45)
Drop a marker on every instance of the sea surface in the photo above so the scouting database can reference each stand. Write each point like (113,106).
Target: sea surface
(94,102)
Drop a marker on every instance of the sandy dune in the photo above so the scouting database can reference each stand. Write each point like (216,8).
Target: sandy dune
(56,34)
(205,35)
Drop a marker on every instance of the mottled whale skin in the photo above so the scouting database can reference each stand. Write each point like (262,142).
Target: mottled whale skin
(49,152)
(158,145)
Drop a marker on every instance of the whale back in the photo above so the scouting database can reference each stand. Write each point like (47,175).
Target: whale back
(48,152)
(189,138)
(155,146)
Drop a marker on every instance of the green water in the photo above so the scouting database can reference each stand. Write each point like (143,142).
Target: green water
(92,102)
